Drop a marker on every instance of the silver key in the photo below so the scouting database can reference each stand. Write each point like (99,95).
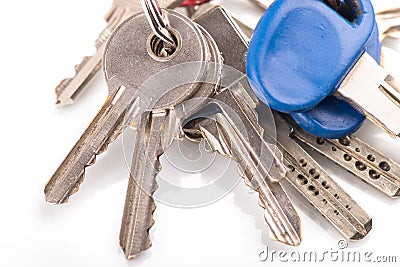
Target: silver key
(223,135)
(127,95)
(359,158)
(154,137)
(310,179)
(234,107)
(69,89)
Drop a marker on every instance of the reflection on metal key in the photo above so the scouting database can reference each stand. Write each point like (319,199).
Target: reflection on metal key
(69,89)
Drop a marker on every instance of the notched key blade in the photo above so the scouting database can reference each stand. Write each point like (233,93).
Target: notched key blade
(139,203)
(104,128)
(280,215)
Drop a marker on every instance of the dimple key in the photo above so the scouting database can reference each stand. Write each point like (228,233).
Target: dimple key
(69,89)
(155,133)
(237,123)
(302,52)
(234,131)
(310,179)
(358,158)
(125,76)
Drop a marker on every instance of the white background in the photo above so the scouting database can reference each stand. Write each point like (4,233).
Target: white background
(41,41)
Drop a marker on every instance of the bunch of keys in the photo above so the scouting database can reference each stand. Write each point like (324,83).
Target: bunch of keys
(166,40)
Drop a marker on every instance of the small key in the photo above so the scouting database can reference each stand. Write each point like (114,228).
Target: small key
(223,136)
(69,89)
(232,108)
(325,56)
(139,204)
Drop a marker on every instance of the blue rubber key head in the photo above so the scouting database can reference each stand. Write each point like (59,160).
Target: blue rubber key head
(334,118)
(302,49)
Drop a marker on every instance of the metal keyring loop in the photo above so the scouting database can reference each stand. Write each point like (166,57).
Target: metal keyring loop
(158,21)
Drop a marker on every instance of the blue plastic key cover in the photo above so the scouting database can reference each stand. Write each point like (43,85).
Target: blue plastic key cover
(301,50)
(334,118)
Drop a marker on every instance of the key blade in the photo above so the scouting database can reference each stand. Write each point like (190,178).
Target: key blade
(320,190)
(139,204)
(376,94)
(104,128)
(241,113)
(359,158)
(280,215)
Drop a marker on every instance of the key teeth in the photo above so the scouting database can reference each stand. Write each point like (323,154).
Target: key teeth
(130,254)
(67,81)
(80,66)
(103,37)
(52,201)
(48,191)
(294,242)
(285,240)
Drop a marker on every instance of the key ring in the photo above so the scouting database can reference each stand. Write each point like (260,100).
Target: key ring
(158,21)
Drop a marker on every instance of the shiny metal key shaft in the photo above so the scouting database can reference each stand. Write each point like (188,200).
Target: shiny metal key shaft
(310,179)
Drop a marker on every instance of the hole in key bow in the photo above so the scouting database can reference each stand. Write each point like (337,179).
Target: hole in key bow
(161,49)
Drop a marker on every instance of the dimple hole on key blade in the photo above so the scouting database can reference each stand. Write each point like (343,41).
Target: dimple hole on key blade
(325,185)
(373,174)
(321,141)
(345,141)
(360,166)
(313,190)
(371,157)
(162,51)
(384,166)
(302,180)
(347,157)
(314,173)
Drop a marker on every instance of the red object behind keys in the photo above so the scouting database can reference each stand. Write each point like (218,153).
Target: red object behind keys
(194,2)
